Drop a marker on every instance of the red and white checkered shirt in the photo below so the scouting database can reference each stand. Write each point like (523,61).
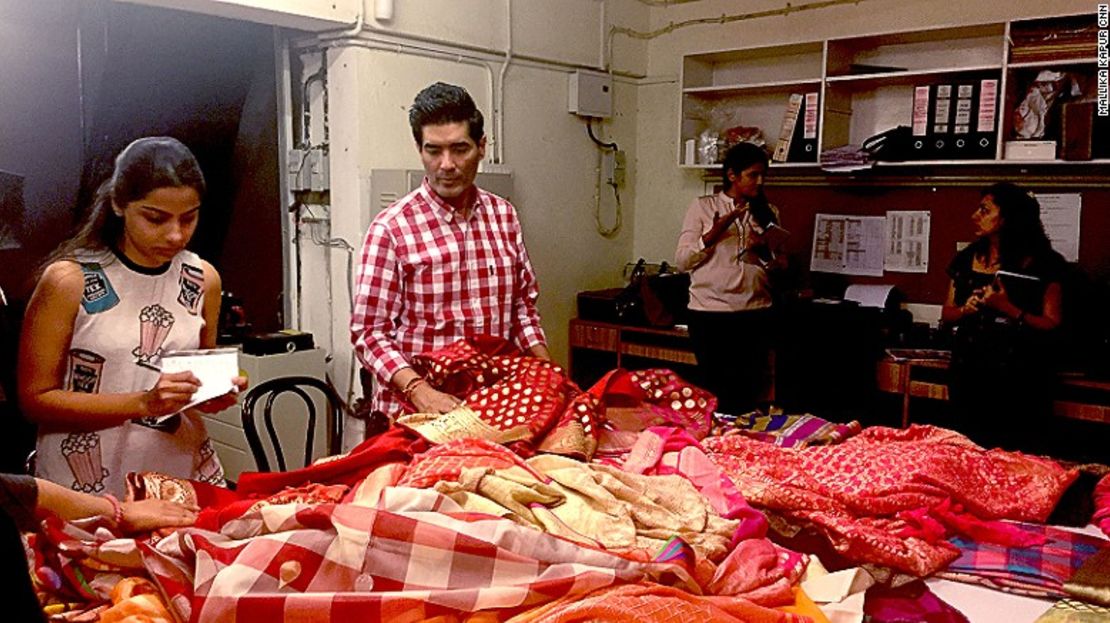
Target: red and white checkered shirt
(427,278)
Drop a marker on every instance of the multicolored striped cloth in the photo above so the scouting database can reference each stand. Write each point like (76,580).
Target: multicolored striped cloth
(1037,571)
(787,431)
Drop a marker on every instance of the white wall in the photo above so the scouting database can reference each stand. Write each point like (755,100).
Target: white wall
(664,189)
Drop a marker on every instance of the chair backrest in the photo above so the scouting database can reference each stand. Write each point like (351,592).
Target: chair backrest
(297,386)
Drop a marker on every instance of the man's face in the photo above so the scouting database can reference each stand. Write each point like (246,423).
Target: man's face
(450,157)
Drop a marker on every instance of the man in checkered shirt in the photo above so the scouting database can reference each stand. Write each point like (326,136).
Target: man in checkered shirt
(445,262)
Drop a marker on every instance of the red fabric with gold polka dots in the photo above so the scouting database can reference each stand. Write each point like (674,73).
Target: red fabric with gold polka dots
(524,398)
(665,399)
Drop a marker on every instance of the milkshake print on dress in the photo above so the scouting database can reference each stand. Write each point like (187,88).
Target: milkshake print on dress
(192,288)
(85,369)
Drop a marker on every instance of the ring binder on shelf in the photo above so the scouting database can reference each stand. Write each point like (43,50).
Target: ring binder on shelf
(986,119)
(940,121)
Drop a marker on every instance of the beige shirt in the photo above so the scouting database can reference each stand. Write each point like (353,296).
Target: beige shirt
(722,277)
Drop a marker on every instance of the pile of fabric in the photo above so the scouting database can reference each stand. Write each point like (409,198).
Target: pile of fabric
(537,501)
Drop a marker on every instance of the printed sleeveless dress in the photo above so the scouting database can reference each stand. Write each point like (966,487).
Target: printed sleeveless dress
(128,317)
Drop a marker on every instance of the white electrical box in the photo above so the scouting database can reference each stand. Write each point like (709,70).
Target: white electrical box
(389,185)
(590,94)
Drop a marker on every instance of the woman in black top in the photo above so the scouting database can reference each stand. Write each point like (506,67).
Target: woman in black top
(1004,305)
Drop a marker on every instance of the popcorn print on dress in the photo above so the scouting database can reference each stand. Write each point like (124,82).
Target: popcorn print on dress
(208,466)
(155,323)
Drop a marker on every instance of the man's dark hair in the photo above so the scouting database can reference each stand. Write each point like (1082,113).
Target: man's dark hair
(443,103)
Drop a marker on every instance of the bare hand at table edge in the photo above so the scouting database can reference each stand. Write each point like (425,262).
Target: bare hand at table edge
(147,515)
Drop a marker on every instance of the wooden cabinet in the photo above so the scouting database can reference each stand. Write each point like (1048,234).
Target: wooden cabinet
(598,347)
(1076,397)
(869,84)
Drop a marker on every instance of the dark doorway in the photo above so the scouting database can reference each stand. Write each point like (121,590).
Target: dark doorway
(80,80)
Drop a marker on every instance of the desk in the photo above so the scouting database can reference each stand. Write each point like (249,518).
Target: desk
(1076,397)
(897,377)
(597,347)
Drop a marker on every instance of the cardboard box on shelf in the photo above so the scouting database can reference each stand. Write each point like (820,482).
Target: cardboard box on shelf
(1030,150)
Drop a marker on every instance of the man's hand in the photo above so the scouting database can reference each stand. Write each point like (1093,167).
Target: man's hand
(427,399)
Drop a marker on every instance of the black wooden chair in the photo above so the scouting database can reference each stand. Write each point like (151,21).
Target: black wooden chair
(300,386)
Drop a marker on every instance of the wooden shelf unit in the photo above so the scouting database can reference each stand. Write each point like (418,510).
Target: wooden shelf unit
(865,83)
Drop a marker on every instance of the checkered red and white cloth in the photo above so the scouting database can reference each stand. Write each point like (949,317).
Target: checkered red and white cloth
(415,557)
(428,278)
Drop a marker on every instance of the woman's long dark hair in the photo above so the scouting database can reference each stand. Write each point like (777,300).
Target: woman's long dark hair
(1021,235)
(144,166)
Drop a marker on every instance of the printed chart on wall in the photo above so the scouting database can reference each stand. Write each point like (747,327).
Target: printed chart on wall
(907,241)
(1060,215)
(849,245)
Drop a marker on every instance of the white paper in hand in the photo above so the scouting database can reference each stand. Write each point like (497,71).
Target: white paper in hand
(214,368)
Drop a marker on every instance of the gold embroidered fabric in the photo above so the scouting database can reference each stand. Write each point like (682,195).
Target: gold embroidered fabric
(1091,581)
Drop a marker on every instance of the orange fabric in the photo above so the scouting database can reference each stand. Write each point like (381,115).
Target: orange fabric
(136,600)
(652,603)
(132,587)
(805,606)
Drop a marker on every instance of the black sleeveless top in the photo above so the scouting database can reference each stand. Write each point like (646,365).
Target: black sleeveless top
(1026,294)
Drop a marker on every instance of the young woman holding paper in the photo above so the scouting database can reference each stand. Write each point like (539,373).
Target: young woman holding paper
(110,302)
(1004,306)
(729,250)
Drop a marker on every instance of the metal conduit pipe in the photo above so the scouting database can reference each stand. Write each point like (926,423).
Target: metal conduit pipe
(499,146)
